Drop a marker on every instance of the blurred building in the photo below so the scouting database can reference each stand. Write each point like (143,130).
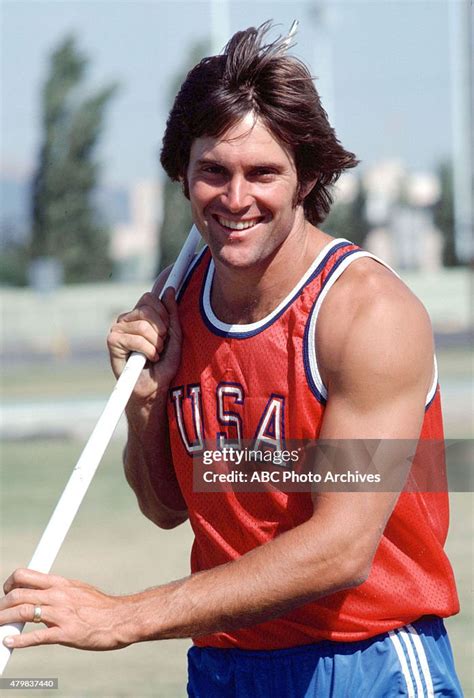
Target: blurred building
(134,244)
(400,210)
(383,183)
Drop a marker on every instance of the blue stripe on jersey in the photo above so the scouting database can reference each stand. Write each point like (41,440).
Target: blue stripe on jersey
(335,266)
(190,272)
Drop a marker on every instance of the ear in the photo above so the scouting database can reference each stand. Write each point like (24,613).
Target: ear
(307,187)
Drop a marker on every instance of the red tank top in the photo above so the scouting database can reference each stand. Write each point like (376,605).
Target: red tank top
(261,379)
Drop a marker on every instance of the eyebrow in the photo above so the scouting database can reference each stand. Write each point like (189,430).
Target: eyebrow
(215,161)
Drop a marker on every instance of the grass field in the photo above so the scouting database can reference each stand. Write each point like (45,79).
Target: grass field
(114,547)
(110,545)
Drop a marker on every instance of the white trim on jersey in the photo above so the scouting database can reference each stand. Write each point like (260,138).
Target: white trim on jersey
(251,327)
(434,385)
(313,364)
(191,268)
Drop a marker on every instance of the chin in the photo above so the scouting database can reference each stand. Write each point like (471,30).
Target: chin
(236,261)
(243,256)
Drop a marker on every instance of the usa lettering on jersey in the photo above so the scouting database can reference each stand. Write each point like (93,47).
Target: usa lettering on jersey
(269,432)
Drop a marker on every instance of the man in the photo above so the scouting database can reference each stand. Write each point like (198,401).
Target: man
(292,594)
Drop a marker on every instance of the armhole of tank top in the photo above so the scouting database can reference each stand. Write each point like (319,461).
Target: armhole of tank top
(314,377)
(187,277)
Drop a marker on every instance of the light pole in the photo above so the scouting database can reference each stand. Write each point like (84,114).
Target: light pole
(462,136)
(323,63)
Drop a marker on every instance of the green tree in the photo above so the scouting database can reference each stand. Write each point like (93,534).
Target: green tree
(177,221)
(65,224)
(177,218)
(13,264)
(348,220)
(444,214)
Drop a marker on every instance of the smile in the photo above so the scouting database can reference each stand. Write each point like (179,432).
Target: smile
(238,225)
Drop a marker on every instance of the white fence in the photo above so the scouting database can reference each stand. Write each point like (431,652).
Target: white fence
(78,317)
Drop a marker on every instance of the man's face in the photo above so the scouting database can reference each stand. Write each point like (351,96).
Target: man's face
(242,189)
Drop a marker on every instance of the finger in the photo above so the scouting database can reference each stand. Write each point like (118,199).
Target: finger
(169,300)
(43,636)
(126,343)
(31,579)
(19,596)
(148,319)
(155,316)
(149,302)
(160,283)
(141,321)
(25,613)
(142,328)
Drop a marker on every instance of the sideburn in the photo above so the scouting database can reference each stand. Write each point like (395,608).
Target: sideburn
(184,186)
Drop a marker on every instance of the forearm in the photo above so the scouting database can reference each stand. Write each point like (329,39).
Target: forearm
(148,463)
(263,584)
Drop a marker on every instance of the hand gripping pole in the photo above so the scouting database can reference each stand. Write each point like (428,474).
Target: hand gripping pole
(81,477)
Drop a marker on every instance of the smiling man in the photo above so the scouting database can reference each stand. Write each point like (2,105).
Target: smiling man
(242,190)
(292,594)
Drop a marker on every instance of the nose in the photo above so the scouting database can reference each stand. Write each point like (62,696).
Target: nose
(237,194)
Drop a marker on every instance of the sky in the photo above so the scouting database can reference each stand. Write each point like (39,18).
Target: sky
(382,67)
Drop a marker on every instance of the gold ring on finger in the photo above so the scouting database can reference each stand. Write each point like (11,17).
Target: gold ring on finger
(37,614)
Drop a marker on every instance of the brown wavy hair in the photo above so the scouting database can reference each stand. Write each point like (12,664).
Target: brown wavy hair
(260,78)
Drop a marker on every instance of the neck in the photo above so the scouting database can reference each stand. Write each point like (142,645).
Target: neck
(242,296)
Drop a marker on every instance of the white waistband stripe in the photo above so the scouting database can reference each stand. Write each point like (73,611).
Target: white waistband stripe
(403,663)
(412,662)
(412,657)
(420,650)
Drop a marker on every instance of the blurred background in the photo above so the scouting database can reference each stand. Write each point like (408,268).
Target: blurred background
(87,219)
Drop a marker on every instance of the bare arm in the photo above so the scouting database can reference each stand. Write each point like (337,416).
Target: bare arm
(153,329)
(149,467)
(377,389)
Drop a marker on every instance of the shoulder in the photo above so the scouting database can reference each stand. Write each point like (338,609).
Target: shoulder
(372,324)
(367,289)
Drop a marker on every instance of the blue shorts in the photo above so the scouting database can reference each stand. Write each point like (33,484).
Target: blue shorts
(414,661)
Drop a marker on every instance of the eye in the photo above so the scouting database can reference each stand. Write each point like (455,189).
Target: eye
(264,174)
(212,169)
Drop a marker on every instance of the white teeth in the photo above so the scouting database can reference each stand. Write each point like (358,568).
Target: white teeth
(237,225)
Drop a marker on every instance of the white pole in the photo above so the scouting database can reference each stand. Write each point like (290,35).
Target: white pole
(76,488)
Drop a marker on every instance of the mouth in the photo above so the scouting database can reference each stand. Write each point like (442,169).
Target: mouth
(232,226)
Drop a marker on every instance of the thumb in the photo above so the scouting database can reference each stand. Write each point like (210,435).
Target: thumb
(169,301)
